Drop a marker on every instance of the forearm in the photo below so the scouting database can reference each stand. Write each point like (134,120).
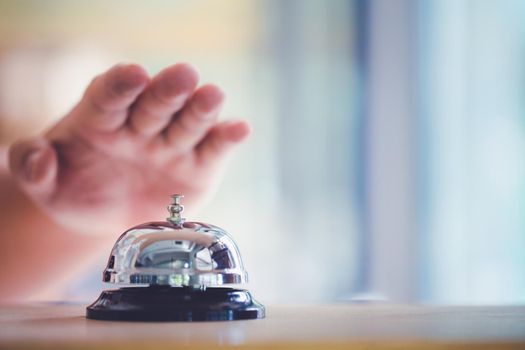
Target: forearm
(37,256)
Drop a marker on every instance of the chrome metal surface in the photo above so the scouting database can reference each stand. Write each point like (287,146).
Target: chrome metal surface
(189,254)
(176,210)
(175,253)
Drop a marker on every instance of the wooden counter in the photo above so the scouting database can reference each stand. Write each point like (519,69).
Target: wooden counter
(337,326)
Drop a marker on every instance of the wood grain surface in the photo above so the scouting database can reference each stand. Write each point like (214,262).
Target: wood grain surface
(335,326)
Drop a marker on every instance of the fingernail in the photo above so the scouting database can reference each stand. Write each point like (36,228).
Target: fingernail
(209,100)
(128,80)
(129,85)
(34,166)
(239,130)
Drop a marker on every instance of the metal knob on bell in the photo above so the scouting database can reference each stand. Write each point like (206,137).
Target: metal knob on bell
(175,270)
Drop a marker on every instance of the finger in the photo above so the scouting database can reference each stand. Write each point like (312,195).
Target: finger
(221,140)
(34,165)
(104,106)
(197,117)
(166,95)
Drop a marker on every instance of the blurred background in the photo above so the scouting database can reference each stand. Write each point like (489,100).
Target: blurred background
(388,154)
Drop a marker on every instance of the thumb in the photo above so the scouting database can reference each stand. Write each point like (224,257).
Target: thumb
(34,165)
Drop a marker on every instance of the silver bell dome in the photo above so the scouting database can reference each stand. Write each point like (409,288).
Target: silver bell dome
(175,253)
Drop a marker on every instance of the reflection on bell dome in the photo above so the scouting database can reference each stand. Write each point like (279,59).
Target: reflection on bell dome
(184,254)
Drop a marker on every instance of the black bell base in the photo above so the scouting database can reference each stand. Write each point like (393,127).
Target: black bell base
(183,304)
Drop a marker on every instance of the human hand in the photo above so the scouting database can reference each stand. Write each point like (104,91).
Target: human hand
(129,143)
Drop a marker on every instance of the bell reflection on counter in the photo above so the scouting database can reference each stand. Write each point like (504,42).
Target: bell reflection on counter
(178,269)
